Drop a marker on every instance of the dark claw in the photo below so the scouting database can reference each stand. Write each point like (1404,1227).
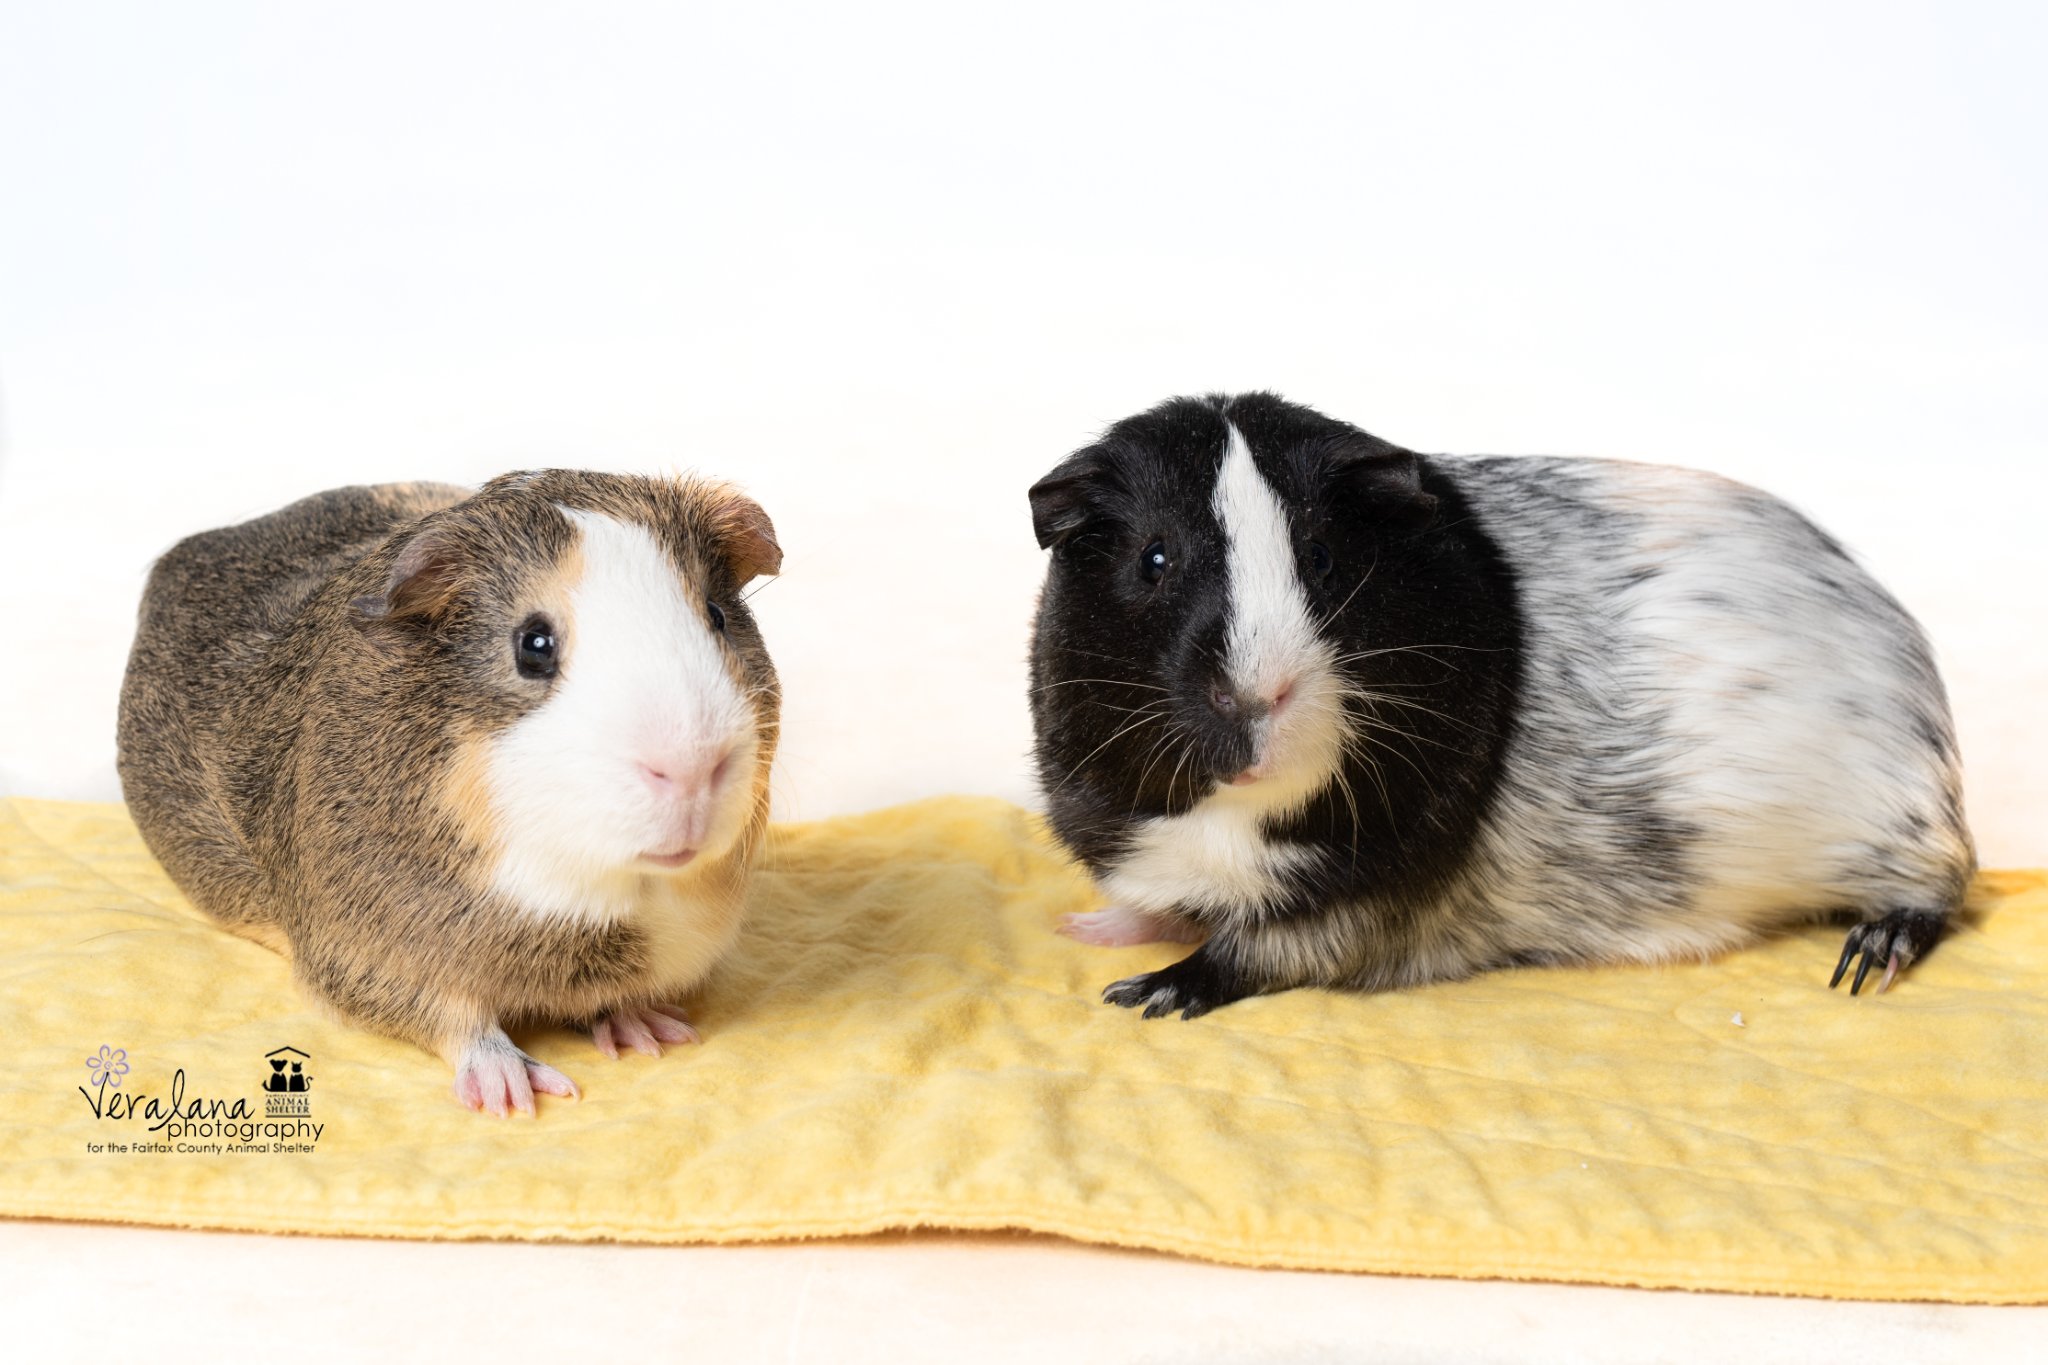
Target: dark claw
(1148,993)
(1848,951)
(1897,940)
(1190,988)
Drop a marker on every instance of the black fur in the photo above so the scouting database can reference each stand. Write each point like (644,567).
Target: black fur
(1416,587)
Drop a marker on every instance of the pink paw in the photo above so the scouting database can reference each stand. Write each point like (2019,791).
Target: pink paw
(644,1028)
(1119,926)
(495,1077)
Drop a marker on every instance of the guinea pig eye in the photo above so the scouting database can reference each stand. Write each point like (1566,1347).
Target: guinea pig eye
(717,617)
(1152,562)
(533,648)
(1319,559)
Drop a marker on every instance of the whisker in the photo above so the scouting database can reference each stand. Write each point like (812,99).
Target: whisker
(1130,710)
(1372,768)
(1417,768)
(1334,614)
(1185,756)
(1114,682)
(1406,704)
(1091,654)
(1134,725)
(1160,748)
(1344,785)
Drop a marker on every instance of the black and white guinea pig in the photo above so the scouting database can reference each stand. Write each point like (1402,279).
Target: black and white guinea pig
(1355,717)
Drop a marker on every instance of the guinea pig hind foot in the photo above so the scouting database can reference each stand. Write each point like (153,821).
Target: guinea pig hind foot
(1119,926)
(493,1076)
(644,1028)
(1896,940)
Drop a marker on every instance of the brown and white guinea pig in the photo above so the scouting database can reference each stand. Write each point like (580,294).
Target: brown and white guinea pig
(473,760)
(1355,717)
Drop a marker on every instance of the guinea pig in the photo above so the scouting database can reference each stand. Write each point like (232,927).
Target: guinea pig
(1353,717)
(472,760)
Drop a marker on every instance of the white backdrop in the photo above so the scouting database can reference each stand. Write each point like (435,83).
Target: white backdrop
(886,264)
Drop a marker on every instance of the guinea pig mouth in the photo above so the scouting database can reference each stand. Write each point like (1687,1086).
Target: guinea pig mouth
(1258,768)
(680,858)
(1253,753)
(1236,760)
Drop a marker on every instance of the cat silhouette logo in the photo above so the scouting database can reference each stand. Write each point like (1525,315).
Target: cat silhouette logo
(285,1088)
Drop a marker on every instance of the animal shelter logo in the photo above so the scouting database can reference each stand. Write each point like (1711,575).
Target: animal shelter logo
(192,1124)
(285,1091)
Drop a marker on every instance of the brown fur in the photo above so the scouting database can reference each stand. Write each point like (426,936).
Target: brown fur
(302,726)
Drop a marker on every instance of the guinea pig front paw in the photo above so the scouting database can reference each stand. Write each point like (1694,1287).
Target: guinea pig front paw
(1896,940)
(1194,985)
(1119,926)
(495,1077)
(644,1028)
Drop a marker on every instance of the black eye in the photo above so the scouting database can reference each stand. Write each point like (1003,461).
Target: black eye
(717,617)
(1319,559)
(533,648)
(1152,562)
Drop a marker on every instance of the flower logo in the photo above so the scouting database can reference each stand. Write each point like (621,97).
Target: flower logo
(108,1067)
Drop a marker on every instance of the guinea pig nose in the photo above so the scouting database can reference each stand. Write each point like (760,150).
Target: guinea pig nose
(1223,700)
(691,773)
(1282,695)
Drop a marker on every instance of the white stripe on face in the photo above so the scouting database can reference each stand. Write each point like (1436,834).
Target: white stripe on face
(1272,640)
(647,673)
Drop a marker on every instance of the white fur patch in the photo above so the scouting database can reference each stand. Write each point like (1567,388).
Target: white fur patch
(1273,643)
(1272,638)
(643,681)
(1214,858)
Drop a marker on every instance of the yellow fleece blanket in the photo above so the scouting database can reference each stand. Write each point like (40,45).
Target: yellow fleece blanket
(901,1042)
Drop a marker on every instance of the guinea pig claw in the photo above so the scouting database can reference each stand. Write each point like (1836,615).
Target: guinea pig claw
(644,1028)
(1154,999)
(1897,940)
(677,1022)
(549,1081)
(496,1078)
(1891,971)
(1848,952)
(1190,987)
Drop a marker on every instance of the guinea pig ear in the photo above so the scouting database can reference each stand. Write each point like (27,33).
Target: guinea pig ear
(1065,500)
(423,578)
(1386,478)
(746,537)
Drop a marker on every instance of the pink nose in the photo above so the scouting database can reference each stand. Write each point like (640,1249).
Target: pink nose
(1281,696)
(684,774)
